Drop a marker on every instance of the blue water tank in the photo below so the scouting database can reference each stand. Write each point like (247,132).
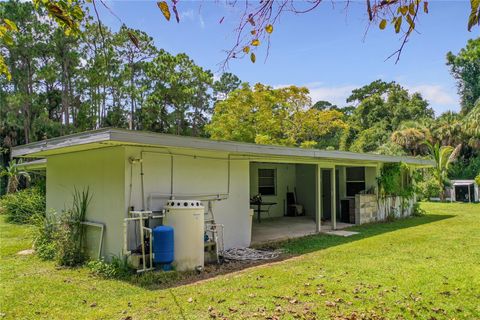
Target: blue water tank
(163,245)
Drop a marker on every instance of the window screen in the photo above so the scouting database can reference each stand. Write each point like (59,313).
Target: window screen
(266,181)
(355,180)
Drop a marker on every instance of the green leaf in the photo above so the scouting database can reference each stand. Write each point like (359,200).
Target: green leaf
(411,9)
(252,57)
(255,42)
(383,24)
(164,9)
(246,49)
(403,10)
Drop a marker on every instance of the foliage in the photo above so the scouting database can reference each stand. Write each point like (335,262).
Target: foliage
(13,175)
(117,268)
(443,156)
(272,116)
(477,179)
(21,206)
(61,235)
(465,68)
(71,231)
(428,188)
(391,181)
(417,210)
(465,168)
(45,235)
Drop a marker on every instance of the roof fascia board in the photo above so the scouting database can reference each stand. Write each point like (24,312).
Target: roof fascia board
(164,140)
(60,142)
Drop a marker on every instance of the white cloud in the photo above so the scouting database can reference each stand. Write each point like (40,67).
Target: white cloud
(435,94)
(334,94)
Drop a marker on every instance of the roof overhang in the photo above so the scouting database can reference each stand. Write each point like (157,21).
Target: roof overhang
(110,137)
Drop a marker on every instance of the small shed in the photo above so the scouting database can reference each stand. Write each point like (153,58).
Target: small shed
(464,191)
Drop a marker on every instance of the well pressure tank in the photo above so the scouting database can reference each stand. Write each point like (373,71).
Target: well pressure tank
(187,219)
(163,245)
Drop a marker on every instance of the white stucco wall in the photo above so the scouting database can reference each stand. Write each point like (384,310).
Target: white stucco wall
(194,174)
(101,170)
(285,180)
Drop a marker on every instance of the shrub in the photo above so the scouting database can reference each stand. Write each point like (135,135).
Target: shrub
(20,207)
(117,269)
(61,236)
(427,189)
(44,244)
(417,211)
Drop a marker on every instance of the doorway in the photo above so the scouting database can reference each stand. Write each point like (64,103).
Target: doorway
(326,194)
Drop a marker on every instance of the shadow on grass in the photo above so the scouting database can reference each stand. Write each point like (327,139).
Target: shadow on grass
(322,241)
(291,248)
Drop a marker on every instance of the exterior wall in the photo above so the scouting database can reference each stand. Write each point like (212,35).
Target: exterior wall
(193,175)
(305,180)
(285,181)
(102,170)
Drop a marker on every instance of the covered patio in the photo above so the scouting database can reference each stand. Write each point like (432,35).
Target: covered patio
(283,228)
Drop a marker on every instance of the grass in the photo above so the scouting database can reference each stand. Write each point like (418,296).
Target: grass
(418,268)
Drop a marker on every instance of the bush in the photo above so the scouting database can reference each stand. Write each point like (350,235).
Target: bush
(61,236)
(417,211)
(44,244)
(20,207)
(117,269)
(427,189)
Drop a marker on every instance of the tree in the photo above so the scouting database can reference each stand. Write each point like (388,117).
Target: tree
(443,157)
(226,84)
(465,68)
(272,116)
(13,175)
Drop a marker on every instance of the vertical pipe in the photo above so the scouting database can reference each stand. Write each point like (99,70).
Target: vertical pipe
(141,239)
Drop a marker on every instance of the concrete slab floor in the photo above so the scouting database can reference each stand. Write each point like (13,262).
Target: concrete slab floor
(283,228)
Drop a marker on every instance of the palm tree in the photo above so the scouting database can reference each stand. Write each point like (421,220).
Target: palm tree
(443,157)
(13,175)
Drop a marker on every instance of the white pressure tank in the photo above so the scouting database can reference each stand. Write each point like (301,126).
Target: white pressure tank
(187,219)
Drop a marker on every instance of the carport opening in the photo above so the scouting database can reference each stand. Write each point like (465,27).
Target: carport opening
(283,200)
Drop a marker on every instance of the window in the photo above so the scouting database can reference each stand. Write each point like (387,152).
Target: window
(266,182)
(355,180)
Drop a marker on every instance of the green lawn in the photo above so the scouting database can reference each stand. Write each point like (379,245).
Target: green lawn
(418,268)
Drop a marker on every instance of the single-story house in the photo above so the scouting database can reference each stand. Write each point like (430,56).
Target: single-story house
(302,191)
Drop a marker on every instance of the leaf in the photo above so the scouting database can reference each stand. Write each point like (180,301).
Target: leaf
(253,32)
(411,9)
(252,57)
(246,49)
(398,24)
(10,25)
(134,39)
(474,15)
(255,42)
(403,10)
(383,24)
(165,9)
(425,6)
(269,28)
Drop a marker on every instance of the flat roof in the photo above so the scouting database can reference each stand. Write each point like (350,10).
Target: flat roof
(101,138)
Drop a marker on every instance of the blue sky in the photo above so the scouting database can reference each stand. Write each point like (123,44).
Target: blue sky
(324,50)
